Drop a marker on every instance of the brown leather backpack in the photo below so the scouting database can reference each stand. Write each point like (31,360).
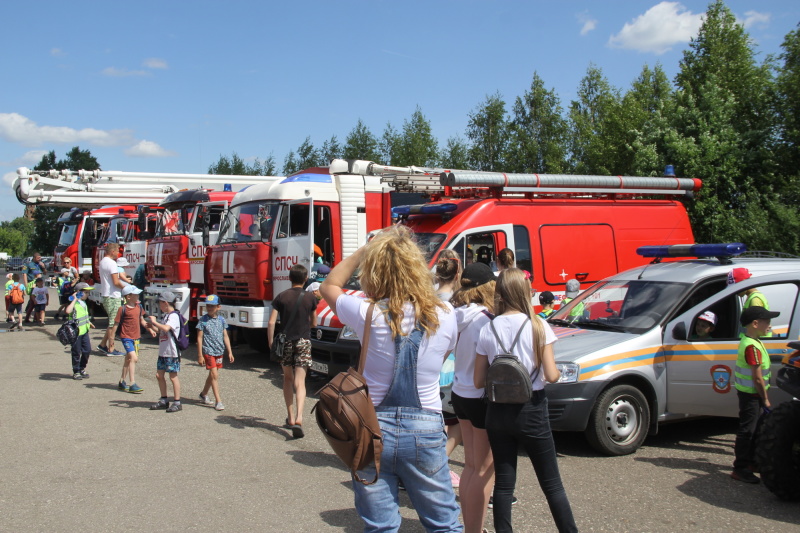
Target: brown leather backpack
(347,418)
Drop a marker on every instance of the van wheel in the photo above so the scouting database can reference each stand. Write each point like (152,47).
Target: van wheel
(619,421)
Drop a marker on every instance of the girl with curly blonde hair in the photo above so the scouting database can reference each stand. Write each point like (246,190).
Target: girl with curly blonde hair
(412,331)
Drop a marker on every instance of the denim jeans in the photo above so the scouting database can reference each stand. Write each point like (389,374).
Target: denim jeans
(81,349)
(511,425)
(414,452)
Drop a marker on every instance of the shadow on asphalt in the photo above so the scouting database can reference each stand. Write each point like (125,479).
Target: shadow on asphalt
(242,422)
(315,459)
(52,376)
(109,386)
(346,519)
(131,404)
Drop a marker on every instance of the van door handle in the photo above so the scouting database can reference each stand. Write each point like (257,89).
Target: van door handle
(581,275)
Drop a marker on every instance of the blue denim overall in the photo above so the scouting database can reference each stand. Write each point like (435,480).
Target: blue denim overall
(413,451)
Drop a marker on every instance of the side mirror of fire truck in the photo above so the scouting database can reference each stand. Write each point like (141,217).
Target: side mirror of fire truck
(264,228)
(205,222)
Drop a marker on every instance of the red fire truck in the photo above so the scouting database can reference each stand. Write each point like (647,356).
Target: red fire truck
(559,226)
(81,229)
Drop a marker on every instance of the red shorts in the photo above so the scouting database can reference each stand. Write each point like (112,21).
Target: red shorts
(213,361)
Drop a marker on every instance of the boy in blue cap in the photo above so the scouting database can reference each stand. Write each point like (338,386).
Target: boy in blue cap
(212,344)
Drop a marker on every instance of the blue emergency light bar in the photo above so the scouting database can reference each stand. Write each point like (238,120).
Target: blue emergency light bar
(693,250)
(423,209)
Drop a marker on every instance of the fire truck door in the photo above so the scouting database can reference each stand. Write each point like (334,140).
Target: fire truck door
(293,241)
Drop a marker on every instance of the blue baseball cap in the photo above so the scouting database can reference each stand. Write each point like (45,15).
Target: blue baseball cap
(212,299)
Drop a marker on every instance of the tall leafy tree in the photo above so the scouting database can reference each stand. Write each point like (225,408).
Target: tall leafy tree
(306,156)
(787,89)
(389,145)
(416,145)
(331,149)
(538,138)
(45,234)
(360,143)
(595,125)
(723,133)
(237,166)
(13,241)
(488,134)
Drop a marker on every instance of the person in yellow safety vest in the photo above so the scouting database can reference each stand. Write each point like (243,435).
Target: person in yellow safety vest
(752,296)
(751,379)
(572,290)
(82,346)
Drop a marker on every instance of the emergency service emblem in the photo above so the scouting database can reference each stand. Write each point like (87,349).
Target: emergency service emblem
(721,378)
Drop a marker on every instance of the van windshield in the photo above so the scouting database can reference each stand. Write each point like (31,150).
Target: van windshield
(250,222)
(632,306)
(429,243)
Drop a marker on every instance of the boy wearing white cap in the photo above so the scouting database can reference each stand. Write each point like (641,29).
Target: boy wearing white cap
(130,318)
(705,325)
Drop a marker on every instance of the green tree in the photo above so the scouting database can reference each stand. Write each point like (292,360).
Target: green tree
(360,143)
(306,156)
(724,129)
(455,154)
(331,149)
(417,145)
(235,165)
(787,89)
(389,145)
(594,126)
(488,134)
(13,241)
(45,219)
(538,132)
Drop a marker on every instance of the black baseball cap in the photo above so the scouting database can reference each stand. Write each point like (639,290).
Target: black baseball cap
(756,313)
(476,274)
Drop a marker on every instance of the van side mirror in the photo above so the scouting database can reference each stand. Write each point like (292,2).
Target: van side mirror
(679,332)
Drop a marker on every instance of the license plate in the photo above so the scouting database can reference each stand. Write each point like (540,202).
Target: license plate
(319,367)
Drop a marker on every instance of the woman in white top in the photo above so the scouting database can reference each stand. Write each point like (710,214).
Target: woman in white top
(474,303)
(511,425)
(412,331)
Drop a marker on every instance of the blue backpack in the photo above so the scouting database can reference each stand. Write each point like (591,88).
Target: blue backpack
(182,340)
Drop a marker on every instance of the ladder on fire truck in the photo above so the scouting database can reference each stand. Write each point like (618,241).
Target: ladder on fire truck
(94,188)
(443,183)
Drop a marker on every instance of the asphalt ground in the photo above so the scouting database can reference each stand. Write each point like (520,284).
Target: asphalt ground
(83,456)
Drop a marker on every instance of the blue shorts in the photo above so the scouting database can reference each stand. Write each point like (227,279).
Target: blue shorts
(40,307)
(169,364)
(131,345)
(15,308)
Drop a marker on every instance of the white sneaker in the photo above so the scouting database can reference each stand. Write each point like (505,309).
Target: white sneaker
(219,407)
(206,400)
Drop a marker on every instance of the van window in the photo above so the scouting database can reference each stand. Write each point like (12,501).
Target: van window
(294,221)
(481,247)
(522,249)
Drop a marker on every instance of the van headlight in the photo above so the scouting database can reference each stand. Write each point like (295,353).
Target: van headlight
(349,334)
(570,372)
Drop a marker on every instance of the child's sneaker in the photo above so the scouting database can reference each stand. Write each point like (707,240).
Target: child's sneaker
(134,388)
(13,326)
(9,319)
(219,406)
(84,374)
(206,400)
(77,375)
(175,407)
(160,404)
(123,386)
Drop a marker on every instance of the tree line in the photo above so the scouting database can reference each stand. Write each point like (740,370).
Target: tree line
(727,118)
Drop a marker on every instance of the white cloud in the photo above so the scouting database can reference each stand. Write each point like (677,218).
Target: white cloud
(155,63)
(115,72)
(19,129)
(658,29)
(148,149)
(587,23)
(29,158)
(754,18)
(9,177)
(57,52)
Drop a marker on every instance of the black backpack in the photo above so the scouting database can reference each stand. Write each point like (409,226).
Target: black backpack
(507,380)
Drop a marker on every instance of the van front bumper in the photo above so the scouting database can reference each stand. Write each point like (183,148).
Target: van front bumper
(570,404)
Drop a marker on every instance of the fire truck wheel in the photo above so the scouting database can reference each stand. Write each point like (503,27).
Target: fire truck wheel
(620,421)
(256,339)
(778,451)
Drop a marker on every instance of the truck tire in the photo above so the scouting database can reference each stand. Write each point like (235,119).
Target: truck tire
(620,421)
(778,451)
(256,338)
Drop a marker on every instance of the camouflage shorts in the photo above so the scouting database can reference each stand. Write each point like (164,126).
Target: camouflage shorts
(297,353)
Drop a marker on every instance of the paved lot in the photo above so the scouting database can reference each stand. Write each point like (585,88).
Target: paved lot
(83,456)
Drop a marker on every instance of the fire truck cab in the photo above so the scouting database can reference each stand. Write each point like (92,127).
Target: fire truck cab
(81,230)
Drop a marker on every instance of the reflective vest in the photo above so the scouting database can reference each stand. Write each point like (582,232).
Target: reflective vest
(749,301)
(80,314)
(743,375)
(545,313)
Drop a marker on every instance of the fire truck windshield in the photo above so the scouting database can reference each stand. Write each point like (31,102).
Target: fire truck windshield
(429,243)
(250,222)
(68,233)
(115,231)
(175,221)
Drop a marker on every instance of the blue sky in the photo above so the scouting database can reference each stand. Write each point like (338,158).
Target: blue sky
(170,85)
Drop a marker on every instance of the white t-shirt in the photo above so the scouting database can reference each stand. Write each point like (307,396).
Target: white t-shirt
(108,267)
(39,294)
(507,327)
(166,342)
(471,319)
(379,366)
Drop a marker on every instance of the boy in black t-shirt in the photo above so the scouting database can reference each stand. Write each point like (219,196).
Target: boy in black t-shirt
(298,312)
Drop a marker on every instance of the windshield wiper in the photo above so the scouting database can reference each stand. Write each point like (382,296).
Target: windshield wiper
(561,322)
(604,325)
